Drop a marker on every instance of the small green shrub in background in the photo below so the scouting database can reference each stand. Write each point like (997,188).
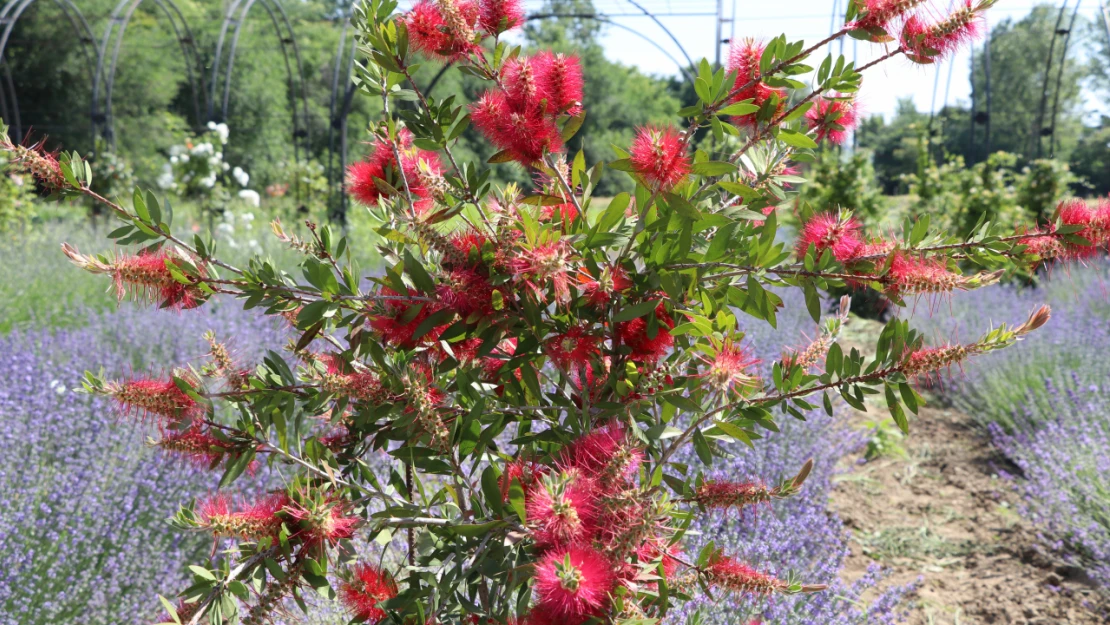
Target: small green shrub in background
(1042,184)
(837,181)
(17,193)
(1090,160)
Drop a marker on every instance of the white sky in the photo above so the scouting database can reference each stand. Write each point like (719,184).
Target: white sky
(883,86)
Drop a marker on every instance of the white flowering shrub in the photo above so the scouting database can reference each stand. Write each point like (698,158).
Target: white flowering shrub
(197,169)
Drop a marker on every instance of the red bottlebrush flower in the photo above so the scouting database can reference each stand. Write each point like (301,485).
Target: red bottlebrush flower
(147,276)
(525,134)
(913,276)
(607,453)
(724,572)
(421,170)
(573,584)
(196,444)
(561,82)
(155,398)
(925,43)
(467,293)
(832,119)
(647,348)
(879,15)
(565,212)
(829,231)
(546,264)
(367,587)
(498,16)
(491,365)
(562,511)
(465,250)
(323,523)
(744,58)
(728,371)
(1095,222)
(397,325)
(659,155)
(527,473)
(925,361)
(600,291)
(443,29)
(656,549)
(258,520)
(1044,243)
(573,350)
(724,494)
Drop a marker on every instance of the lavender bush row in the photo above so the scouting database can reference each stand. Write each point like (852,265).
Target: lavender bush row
(1074,341)
(1047,407)
(1063,459)
(800,534)
(82,530)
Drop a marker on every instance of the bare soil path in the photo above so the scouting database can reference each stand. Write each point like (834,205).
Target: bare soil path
(933,509)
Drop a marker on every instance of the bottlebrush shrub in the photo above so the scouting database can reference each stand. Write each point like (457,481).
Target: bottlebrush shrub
(533,361)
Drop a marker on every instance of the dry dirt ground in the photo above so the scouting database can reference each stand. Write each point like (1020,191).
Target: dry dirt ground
(933,509)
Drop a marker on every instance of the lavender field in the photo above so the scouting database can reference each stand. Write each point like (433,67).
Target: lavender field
(98,549)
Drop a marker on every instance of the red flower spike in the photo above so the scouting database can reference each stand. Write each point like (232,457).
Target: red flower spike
(659,156)
(877,15)
(829,231)
(1095,222)
(909,275)
(1043,243)
(147,276)
(724,495)
(724,572)
(562,511)
(527,473)
(646,348)
(421,170)
(195,444)
(744,58)
(443,29)
(498,16)
(561,82)
(258,520)
(600,451)
(544,265)
(397,326)
(146,398)
(368,587)
(728,372)
(600,291)
(322,523)
(573,584)
(926,43)
(492,364)
(832,120)
(573,350)
(466,292)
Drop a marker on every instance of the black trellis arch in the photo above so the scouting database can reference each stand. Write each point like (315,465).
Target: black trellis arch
(339,108)
(9,15)
(237,15)
(105,76)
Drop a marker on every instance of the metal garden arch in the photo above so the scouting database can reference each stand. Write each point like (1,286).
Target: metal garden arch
(237,15)
(113,37)
(9,15)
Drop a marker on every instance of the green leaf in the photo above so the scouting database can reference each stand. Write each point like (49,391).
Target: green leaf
(636,310)
(623,164)
(896,411)
(202,572)
(739,109)
(573,125)
(418,274)
(714,168)
(504,156)
(734,431)
(834,359)
(614,212)
(813,301)
(796,139)
(491,490)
